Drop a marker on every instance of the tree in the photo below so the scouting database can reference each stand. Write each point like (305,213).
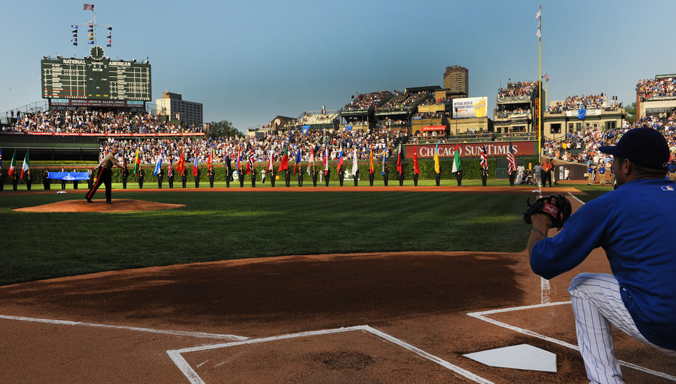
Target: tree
(631,112)
(223,128)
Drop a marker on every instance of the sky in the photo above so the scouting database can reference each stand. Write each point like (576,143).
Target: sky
(248,62)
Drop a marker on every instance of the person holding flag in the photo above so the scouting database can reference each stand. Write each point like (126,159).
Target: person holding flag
(228,170)
(210,169)
(385,171)
(105,176)
(300,172)
(339,169)
(416,168)
(372,169)
(457,165)
(125,171)
(355,167)
(271,168)
(12,172)
(400,167)
(158,170)
(284,166)
(250,168)
(511,165)
(484,165)
(170,174)
(327,171)
(196,170)
(437,165)
(180,168)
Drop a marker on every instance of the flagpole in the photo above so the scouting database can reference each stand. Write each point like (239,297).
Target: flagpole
(540,114)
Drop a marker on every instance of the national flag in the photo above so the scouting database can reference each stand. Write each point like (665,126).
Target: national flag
(484,158)
(325,160)
(239,157)
(416,168)
(158,164)
(355,164)
(271,166)
(546,77)
(195,167)
(250,162)
(171,167)
(12,165)
(180,167)
(209,160)
(457,165)
(511,161)
(0,157)
(284,162)
(26,164)
(382,171)
(88,7)
(311,163)
(437,167)
(298,160)
(137,162)
(372,169)
(399,160)
(340,158)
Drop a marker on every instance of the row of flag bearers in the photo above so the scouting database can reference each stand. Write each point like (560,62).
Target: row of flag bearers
(247,167)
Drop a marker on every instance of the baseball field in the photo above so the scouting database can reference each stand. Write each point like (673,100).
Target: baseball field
(286,285)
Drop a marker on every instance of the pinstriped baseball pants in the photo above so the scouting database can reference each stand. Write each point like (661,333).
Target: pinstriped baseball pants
(597,304)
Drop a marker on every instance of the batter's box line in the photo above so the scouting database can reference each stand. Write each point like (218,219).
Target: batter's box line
(482,316)
(120,327)
(178,359)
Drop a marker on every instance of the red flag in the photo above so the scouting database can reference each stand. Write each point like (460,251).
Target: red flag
(484,158)
(511,162)
(250,163)
(325,161)
(209,163)
(311,162)
(284,162)
(399,160)
(416,168)
(180,167)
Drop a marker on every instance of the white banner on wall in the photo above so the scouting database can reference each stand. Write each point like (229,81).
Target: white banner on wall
(470,107)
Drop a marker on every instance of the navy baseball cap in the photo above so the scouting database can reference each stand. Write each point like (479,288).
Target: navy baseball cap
(643,146)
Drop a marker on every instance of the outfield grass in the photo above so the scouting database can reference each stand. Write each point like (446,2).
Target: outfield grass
(218,226)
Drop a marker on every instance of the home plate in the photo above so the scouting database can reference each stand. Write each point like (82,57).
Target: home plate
(523,356)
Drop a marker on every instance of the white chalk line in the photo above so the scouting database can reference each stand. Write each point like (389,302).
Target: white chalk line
(120,327)
(194,378)
(481,316)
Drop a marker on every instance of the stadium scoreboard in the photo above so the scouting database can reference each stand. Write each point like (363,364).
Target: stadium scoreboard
(95,78)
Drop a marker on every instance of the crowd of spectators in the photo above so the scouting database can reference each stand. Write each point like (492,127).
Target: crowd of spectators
(367,100)
(259,148)
(428,115)
(520,90)
(583,146)
(515,111)
(404,100)
(573,103)
(656,88)
(69,121)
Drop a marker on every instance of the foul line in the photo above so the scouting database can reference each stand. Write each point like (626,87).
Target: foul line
(194,378)
(120,327)
(481,316)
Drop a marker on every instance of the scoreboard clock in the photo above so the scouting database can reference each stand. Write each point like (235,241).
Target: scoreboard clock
(95,77)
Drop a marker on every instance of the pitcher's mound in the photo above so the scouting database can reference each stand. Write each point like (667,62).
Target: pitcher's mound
(119,205)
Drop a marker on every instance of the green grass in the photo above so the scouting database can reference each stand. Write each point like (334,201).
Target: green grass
(219,226)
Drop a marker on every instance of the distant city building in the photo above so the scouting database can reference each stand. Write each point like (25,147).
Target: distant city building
(173,105)
(456,81)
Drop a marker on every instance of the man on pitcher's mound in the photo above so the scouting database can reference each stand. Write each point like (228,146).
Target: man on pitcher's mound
(105,176)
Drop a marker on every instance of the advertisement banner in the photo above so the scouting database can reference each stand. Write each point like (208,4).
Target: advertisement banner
(96,103)
(470,107)
(493,149)
(589,112)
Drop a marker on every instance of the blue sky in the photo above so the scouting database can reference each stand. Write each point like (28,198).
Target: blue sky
(248,62)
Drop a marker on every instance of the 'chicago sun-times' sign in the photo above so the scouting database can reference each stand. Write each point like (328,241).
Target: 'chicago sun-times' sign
(494,149)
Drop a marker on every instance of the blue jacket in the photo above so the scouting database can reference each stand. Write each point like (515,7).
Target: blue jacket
(634,224)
